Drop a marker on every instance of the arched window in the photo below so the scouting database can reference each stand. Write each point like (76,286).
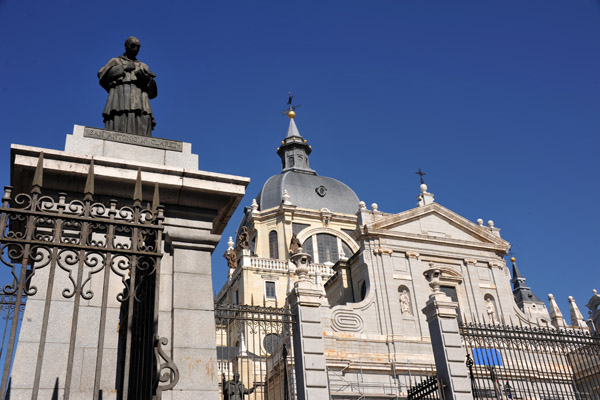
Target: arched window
(273,245)
(328,248)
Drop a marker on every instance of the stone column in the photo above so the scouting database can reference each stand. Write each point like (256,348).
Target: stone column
(448,352)
(192,314)
(309,349)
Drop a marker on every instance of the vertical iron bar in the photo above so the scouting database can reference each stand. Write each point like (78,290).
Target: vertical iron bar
(101,331)
(13,328)
(77,300)
(20,288)
(110,235)
(132,283)
(50,288)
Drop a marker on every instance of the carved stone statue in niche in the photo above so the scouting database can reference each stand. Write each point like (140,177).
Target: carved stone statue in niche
(295,245)
(490,307)
(404,298)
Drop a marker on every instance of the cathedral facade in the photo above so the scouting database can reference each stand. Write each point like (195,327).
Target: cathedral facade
(370,266)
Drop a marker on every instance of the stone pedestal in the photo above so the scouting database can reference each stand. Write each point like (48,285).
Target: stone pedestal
(197,206)
(448,352)
(309,348)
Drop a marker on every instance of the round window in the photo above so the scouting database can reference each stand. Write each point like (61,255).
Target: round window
(271,343)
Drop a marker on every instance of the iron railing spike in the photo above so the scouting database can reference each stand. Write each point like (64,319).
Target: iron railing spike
(38,176)
(137,192)
(89,183)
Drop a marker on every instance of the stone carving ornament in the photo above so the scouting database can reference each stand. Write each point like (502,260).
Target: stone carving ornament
(130,85)
(295,245)
(244,238)
(490,308)
(231,258)
(347,321)
(404,298)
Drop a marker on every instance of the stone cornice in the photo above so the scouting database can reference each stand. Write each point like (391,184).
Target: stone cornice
(398,219)
(304,212)
(384,233)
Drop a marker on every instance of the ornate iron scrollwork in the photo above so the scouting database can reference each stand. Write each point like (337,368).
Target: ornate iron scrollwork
(170,376)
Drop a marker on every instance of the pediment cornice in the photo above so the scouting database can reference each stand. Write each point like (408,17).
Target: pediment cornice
(484,237)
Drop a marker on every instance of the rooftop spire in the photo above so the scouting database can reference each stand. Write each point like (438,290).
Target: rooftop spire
(294,150)
(576,317)
(521,292)
(556,316)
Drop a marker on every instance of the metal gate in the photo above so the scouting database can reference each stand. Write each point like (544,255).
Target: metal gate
(511,362)
(79,238)
(256,343)
(428,389)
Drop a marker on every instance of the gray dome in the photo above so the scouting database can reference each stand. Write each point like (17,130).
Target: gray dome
(308,191)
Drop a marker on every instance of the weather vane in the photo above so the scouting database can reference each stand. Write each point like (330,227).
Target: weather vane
(291,107)
(421,175)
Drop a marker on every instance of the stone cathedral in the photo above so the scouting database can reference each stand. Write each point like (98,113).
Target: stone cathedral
(368,265)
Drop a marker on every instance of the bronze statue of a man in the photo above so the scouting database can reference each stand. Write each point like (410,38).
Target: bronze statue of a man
(234,389)
(130,85)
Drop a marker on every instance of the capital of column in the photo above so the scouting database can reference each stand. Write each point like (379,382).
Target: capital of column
(412,254)
(470,261)
(191,238)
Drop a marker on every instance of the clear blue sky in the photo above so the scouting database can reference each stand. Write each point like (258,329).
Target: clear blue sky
(498,101)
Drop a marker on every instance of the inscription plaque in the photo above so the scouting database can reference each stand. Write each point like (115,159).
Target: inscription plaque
(120,137)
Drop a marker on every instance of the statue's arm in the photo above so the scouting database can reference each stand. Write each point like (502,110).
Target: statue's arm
(112,71)
(152,89)
(146,79)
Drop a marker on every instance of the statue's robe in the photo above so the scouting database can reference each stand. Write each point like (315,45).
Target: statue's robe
(129,92)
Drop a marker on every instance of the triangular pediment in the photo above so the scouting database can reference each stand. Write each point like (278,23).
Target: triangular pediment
(435,222)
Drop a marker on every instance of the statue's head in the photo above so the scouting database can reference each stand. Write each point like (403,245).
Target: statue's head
(132,46)
(236,377)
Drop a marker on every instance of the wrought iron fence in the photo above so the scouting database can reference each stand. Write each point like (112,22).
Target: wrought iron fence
(428,389)
(255,343)
(8,312)
(54,246)
(513,362)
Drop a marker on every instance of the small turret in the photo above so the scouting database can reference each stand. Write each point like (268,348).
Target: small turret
(294,150)
(528,302)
